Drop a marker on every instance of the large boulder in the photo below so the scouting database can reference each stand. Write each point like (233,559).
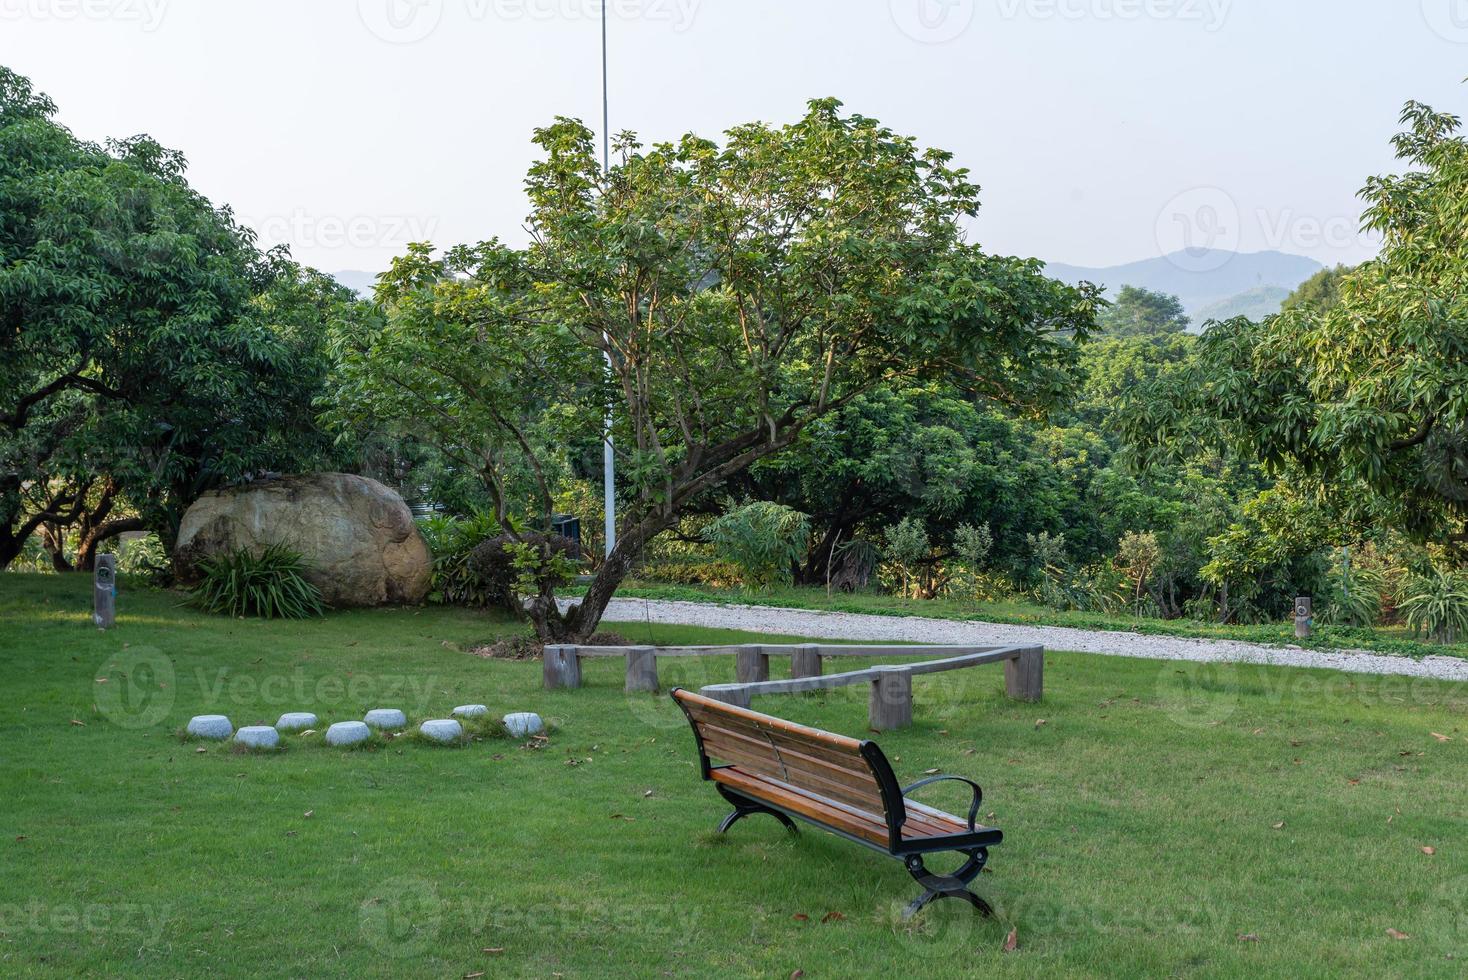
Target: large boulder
(357,536)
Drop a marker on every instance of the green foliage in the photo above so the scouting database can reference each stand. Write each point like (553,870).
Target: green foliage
(908,550)
(1140,312)
(451,541)
(765,540)
(1352,598)
(1321,292)
(271,585)
(1437,604)
(525,563)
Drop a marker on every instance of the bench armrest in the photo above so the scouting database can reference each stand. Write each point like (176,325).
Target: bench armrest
(973,810)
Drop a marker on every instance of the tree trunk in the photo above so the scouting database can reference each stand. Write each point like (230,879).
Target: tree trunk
(86,551)
(53,539)
(579,622)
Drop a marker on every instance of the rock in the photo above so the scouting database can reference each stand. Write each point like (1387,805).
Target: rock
(357,536)
(216,727)
(523,724)
(258,737)
(390,719)
(296,721)
(470,711)
(348,733)
(442,730)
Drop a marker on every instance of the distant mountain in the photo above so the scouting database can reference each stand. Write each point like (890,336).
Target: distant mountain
(1198,277)
(361,283)
(1256,304)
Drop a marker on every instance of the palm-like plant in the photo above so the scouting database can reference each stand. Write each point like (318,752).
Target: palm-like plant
(271,585)
(1437,604)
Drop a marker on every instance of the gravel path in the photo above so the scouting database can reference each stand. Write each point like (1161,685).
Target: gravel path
(903,629)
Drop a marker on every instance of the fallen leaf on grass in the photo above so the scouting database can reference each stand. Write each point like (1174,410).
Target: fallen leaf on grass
(797,975)
(832,917)
(1429,851)
(1279,826)
(1039,722)
(623,816)
(1248,937)
(79,724)
(473,976)
(493,950)
(309,814)
(201,749)
(1441,738)
(931,772)
(1395,934)
(21,837)
(800,917)
(1011,941)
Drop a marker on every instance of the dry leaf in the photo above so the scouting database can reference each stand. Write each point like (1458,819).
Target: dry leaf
(1397,935)
(201,749)
(493,950)
(1248,937)
(832,917)
(79,724)
(1279,826)
(931,772)
(797,975)
(473,976)
(309,814)
(1011,941)
(800,917)
(1429,851)
(647,794)
(1441,738)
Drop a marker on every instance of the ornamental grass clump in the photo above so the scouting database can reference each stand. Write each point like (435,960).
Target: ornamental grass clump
(271,585)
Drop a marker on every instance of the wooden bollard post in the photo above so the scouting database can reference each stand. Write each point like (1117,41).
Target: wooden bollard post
(104,592)
(738,697)
(1304,617)
(806,661)
(891,704)
(1024,676)
(562,668)
(642,669)
(753,665)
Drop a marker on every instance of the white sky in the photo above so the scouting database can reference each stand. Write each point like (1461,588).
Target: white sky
(1102,131)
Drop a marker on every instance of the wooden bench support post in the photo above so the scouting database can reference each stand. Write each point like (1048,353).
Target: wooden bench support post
(805,661)
(1024,676)
(562,668)
(891,704)
(753,665)
(642,669)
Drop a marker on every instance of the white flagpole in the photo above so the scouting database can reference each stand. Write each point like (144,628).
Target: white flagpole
(609,456)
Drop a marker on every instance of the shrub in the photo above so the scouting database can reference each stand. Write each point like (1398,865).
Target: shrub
(452,540)
(1356,601)
(271,585)
(907,548)
(765,540)
(505,567)
(1437,604)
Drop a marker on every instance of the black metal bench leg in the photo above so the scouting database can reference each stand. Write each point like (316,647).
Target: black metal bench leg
(745,807)
(953,885)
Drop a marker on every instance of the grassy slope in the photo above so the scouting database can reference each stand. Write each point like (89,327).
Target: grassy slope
(1391,640)
(1141,817)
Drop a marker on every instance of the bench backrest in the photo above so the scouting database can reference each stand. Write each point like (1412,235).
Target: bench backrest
(848,771)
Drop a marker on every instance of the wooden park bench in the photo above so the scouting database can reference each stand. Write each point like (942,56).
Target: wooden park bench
(842,785)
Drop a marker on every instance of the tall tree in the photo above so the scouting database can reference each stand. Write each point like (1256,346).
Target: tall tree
(1138,312)
(738,293)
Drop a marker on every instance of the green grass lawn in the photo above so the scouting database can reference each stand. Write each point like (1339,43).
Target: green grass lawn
(1397,640)
(1162,819)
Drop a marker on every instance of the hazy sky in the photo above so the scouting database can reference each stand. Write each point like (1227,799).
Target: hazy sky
(1102,131)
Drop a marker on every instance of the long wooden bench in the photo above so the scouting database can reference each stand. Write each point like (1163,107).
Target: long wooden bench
(842,785)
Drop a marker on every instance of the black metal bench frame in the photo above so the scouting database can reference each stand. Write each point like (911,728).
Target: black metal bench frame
(973,845)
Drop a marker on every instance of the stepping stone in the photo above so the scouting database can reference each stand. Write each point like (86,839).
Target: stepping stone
(297,721)
(387,718)
(470,711)
(524,723)
(258,737)
(348,733)
(442,730)
(216,727)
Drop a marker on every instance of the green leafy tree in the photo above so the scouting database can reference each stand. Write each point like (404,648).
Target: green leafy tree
(736,295)
(1321,292)
(1138,312)
(765,540)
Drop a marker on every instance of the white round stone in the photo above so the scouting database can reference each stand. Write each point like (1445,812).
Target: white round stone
(297,721)
(388,718)
(210,726)
(348,733)
(442,730)
(524,723)
(258,737)
(470,711)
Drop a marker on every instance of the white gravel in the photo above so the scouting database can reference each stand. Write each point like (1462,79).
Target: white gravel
(905,629)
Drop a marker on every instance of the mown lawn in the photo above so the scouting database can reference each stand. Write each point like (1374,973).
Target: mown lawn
(1397,639)
(1162,820)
